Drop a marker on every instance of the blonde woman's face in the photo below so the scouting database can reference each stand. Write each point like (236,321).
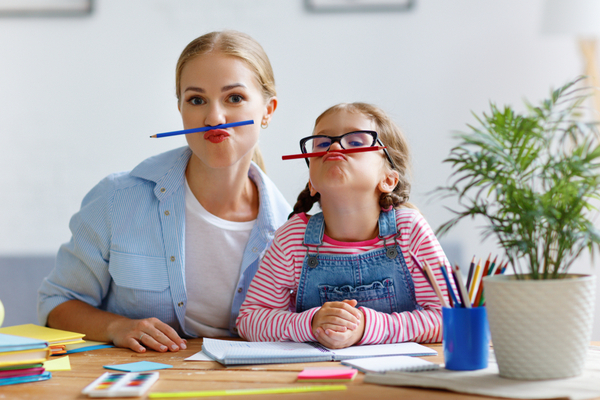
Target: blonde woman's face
(217,89)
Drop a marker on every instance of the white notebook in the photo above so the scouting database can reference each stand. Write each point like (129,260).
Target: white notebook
(231,352)
(381,365)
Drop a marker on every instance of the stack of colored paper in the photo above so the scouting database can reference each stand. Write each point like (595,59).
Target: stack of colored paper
(58,349)
(56,338)
(21,359)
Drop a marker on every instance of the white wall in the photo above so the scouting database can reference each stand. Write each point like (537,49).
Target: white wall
(80,96)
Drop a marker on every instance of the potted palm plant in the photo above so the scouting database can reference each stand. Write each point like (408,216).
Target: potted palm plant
(534,178)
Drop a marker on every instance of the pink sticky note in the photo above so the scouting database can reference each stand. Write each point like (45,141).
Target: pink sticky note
(330,374)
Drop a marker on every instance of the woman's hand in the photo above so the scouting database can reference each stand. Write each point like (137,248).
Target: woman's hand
(338,324)
(135,334)
(139,334)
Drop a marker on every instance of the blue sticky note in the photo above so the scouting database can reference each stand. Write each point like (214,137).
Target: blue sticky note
(138,366)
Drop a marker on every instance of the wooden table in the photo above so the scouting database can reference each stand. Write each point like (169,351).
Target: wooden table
(208,375)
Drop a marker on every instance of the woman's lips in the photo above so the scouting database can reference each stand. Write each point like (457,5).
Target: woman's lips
(216,135)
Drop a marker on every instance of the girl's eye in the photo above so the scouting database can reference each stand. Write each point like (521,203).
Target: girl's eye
(356,143)
(196,101)
(322,145)
(236,98)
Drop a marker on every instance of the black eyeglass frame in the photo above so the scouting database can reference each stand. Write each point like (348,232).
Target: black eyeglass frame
(338,139)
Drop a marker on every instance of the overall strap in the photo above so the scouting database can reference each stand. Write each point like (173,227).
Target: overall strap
(314,235)
(387,223)
(387,226)
(315,230)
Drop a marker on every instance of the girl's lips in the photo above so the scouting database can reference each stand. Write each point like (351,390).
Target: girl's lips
(333,156)
(216,135)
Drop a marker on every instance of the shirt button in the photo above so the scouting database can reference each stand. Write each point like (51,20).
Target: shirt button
(254,250)
(180,304)
(172,258)
(167,212)
(162,190)
(240,290)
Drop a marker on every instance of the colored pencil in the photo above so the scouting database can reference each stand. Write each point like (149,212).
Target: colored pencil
(203,129)
(487,265)
(462,290)
(480,288)
(322,153)
(470,274)
(499,269)
(491,271)
(474,282)
(434,284)
(481,300)
(493,267)
(504,267)
(418,264)
(455,301)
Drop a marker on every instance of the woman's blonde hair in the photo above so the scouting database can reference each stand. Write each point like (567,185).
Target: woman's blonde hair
(235,44)
(397,146)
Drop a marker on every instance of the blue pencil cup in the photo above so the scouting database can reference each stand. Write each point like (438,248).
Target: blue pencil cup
(466,338)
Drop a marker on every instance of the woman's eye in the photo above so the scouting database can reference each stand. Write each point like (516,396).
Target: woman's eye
(235,98)
(196,101)
(322,145)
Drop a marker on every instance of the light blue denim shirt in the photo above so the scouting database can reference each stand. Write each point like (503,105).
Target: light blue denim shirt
(127,252)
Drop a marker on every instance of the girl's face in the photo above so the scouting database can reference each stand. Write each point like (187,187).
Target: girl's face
(218,89)
(348,172)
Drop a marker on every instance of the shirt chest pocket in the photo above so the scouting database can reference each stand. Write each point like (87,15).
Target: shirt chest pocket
(138,272)
(379,295)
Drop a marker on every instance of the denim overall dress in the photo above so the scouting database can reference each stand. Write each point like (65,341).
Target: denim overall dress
(377,279)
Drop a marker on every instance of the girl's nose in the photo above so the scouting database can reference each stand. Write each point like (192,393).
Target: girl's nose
(335,146)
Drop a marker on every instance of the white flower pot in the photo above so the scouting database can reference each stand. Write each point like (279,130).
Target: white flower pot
(540,329)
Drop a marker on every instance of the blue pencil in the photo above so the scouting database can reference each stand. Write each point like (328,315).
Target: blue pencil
(203,129)
(449,286)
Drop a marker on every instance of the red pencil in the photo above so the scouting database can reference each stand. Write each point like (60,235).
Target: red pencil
(322,153)
(480,289)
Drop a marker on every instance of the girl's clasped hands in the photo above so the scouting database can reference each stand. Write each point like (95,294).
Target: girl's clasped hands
(338,324)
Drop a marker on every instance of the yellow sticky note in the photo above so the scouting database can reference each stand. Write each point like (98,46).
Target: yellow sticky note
(58,364)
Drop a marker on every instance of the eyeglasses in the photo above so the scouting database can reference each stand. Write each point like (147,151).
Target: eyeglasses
(350,140)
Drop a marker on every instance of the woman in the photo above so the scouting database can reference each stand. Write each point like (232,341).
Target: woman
(169,248)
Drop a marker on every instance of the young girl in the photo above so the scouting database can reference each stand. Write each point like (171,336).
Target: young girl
(355,253)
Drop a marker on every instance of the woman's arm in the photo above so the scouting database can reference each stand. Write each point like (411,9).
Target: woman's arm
(78,316)
(70,297)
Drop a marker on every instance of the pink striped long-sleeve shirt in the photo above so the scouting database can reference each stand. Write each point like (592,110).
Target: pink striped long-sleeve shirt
(268,312)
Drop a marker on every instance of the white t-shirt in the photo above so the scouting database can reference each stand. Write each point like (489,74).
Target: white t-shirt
(214,249)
